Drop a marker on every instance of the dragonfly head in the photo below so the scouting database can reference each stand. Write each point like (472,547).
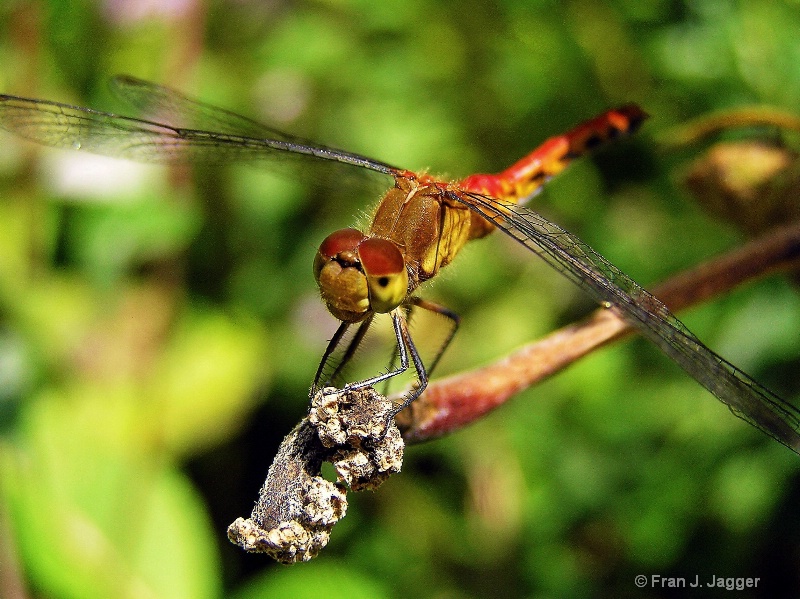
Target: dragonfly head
(357,274)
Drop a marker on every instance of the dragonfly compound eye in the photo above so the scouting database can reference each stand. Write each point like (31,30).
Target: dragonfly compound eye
(341,280)
(386,272)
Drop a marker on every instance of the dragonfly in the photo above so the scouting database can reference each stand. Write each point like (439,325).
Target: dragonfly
(420,225)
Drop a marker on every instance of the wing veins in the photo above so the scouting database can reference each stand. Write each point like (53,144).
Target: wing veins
(745,397)
(65,126)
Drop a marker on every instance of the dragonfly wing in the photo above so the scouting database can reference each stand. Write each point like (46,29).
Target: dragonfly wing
(72,127)
(165,105)
(609,286)
(64,126)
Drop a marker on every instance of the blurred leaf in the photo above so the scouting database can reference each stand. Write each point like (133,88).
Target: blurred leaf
(93,518)
(111,240)
(744,491)
(205,383)
(314,580)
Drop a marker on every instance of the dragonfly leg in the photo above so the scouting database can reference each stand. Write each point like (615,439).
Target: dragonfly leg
(396,348)
(406,347)
(455,321)
(403,341)
(348,354)
(332,345)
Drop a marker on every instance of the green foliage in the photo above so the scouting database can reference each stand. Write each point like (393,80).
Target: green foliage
(158,334)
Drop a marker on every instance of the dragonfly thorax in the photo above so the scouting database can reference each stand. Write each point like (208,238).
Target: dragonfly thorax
(358,274)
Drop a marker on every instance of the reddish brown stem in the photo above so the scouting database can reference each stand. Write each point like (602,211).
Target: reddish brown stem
(453,402)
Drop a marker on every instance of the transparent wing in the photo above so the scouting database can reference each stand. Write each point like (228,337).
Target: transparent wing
(236,138)
(172,108)
(609,286)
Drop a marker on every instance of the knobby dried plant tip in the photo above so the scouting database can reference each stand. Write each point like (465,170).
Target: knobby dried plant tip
(365,443)
(297,507)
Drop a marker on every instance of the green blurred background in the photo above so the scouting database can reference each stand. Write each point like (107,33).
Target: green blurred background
(159,328)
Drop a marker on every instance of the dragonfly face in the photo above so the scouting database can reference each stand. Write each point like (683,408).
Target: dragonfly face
(358,275)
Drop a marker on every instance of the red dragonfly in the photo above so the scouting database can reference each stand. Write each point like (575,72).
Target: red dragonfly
(418,228)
